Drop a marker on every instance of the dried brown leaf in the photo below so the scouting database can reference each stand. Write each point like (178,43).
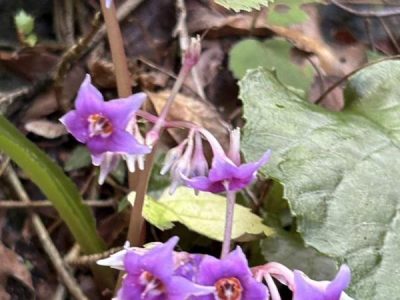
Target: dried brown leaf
(45,128)
(43,105)
(30,63)
(13,272)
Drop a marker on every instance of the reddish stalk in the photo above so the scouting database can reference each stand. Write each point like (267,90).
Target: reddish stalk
(117,50)
(124,90)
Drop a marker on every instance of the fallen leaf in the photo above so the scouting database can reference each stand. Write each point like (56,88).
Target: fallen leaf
(185,108)
(46,129)
(30,63)
(13,272)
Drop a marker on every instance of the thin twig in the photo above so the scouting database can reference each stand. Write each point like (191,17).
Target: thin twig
(319,73)
(344,78)
(86,260)
(46,241)
(166,72)
(4,165)
(367,25)
(367,13)
(71,56)
(8,204)
(390,34)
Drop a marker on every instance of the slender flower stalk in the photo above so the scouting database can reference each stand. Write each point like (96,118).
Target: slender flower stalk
(230,205)
(136,220)
(191,57)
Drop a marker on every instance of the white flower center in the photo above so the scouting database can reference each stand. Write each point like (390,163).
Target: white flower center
(99,125)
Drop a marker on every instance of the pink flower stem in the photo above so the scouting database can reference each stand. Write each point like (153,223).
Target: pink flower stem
(155,132)
(276,270)
(167,124)
(273,290)
(136,225)
(230,206)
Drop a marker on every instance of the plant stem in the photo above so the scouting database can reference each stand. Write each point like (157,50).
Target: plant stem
(183,73)
(230,206)
(136,221)
(135,236)
(117,50)
(124,90)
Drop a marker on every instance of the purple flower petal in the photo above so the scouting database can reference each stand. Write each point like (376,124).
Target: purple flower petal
(305,288)
(202,183)
(119,141)
(129,289)
(180,288)
(89,99)
(222,169)
(254,290)
(163,253)
(249,169)
(121,111)
(340,283)
(76,125)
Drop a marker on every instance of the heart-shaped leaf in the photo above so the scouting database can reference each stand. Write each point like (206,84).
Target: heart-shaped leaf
(340,171)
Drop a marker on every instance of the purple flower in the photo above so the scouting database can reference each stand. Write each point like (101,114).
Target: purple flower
(231,277)
(306,289)
(227,173)
(151,276)
(102,126)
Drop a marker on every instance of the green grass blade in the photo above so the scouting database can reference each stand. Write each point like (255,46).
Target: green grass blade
(57,187)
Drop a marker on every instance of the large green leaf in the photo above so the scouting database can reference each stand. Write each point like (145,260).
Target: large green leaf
(340,171)
(247,5)
(204,214)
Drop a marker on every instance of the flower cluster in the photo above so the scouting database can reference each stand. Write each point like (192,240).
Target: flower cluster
(188,165)
(110,131)
(162,274)
(159,273)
